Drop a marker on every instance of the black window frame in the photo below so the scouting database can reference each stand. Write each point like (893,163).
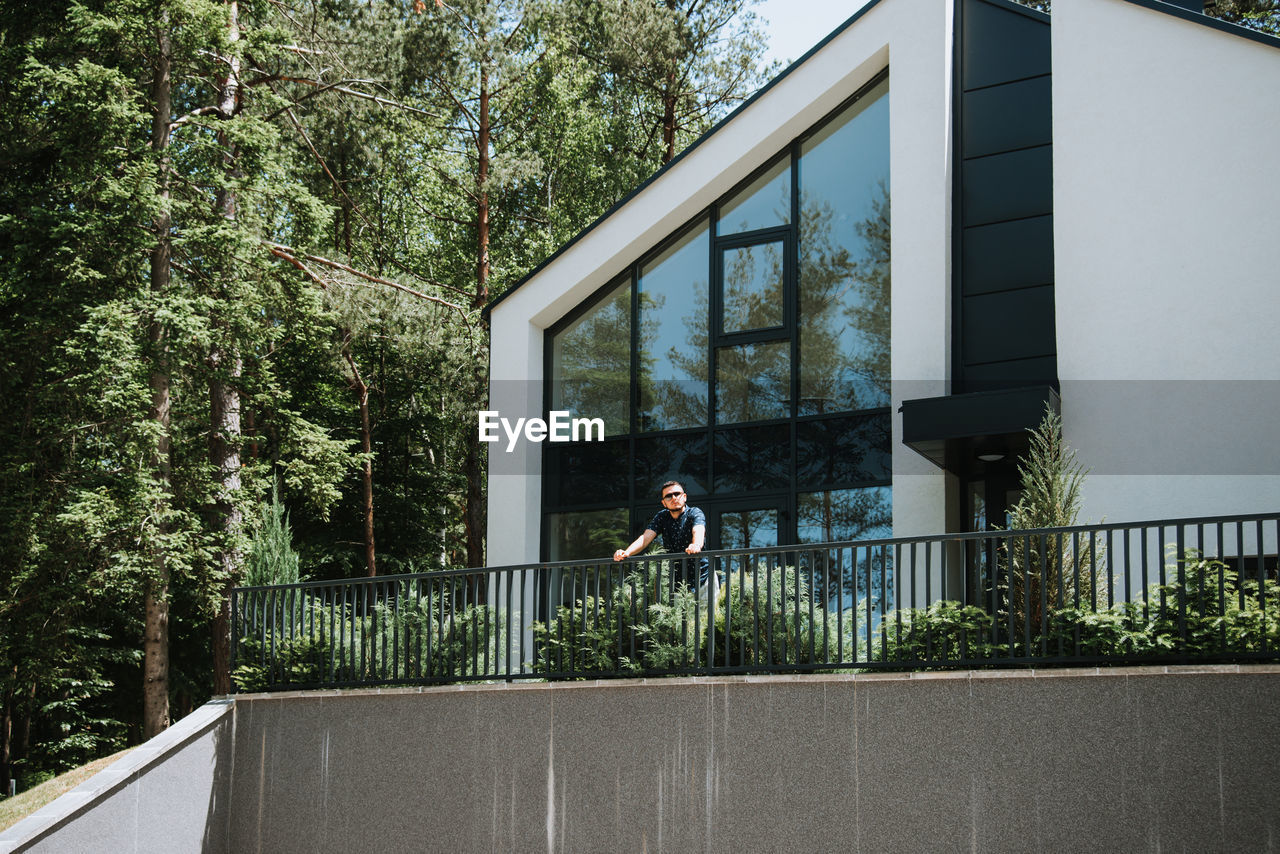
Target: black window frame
(642,507)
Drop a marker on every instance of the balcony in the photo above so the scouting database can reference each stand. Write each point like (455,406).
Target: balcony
(1178,591)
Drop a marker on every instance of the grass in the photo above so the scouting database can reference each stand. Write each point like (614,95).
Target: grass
(15,809)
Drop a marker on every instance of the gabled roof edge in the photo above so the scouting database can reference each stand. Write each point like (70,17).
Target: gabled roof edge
(1208,21)
(671,163)
(1018,8)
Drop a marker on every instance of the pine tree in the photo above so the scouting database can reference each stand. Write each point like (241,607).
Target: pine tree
(272,559)
(1045,572)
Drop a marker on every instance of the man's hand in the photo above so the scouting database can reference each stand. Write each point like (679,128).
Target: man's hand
(699,537)
(641,543)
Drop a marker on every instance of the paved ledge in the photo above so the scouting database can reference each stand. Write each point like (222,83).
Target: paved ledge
(753,678)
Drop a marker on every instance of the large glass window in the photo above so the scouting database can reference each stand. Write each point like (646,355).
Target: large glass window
(672,345)
(860,577)
(752,287)
(746,357)
(747,529)
(753,382)
(838,451)
(587,472)
(844,514)
(844,260)
(764,203)
(682,457)
(750,459)
(591,363)
(583,535)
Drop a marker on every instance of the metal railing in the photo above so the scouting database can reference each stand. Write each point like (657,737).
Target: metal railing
(1173,591)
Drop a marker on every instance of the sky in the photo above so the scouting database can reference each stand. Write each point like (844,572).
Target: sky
(797,25)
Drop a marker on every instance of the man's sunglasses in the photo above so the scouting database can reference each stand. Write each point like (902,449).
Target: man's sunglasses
(672,495)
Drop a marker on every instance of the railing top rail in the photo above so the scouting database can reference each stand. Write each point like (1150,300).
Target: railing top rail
(784,549)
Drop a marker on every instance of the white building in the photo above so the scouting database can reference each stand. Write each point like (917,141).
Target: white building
(1084,213)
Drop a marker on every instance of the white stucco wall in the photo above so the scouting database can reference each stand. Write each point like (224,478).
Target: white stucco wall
(1166,218)
(912,37)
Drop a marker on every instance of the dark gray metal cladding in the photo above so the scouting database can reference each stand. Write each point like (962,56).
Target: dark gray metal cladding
(1003,334)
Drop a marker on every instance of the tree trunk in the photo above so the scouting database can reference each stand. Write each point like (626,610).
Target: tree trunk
(482,206)
(226,367)
(669,119)
(366,445)
(155,644)
(473,514)
(224,455)
(6,735)
(22,729)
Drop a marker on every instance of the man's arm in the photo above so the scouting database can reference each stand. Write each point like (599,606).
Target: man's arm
(641,543)
(699,537)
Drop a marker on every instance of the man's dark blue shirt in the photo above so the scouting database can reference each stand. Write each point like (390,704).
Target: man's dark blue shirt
(677,535)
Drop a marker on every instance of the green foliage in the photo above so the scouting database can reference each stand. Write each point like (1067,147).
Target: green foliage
(773,618)
(944,631)
(292,661)
(766,619)
(1260,15)
(766,616)
(645,623)
(272,559)
(419,634)
(1044,573)
(101,500)
(1207,610)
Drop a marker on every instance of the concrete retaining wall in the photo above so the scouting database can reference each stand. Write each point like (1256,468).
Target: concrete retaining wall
(166,795)
(1139,759)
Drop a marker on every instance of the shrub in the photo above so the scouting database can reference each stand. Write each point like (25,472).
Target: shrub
(765,617)
(404,638)
(774,619)
(295,653)
(1044,573)
(944,631)
(271,558)
(646,623)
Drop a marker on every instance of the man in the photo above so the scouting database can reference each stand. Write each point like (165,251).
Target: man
(683,529)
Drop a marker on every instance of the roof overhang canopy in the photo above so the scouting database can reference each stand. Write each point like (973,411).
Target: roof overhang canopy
(955,430)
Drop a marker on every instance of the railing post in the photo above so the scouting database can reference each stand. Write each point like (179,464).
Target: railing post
(1180,562)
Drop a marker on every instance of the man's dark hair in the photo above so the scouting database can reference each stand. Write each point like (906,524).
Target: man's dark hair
(663,488)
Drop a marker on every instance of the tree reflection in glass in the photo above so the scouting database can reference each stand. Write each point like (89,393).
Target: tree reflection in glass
(591,363)
(753,382)
(673,317)
(764,203)
(846,577)
(752,292)
(748,529)
(844,261)
(587,534)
